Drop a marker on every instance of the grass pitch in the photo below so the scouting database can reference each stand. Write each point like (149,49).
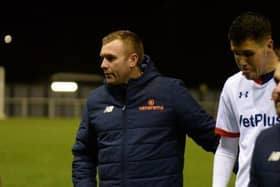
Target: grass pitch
(37,153)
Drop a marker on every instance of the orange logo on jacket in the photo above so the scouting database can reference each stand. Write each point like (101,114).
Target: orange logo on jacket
(151,106)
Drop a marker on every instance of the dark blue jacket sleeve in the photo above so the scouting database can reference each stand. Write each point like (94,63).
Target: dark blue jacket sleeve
(193,119)
(253,176)
(84,155)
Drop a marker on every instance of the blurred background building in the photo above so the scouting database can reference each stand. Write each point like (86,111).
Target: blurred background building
(39,100)
(186,41)
(43,100)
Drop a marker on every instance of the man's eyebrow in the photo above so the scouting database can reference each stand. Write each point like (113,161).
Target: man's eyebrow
(107,55)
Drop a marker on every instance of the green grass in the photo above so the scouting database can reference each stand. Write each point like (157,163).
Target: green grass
(198,167)
(37,153)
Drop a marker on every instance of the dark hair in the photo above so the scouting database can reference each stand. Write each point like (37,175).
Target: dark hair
(249,25)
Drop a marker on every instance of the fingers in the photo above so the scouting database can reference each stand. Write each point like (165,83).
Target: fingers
(277,74)
(274,95)
(277,107)
(276,91)
(276,98)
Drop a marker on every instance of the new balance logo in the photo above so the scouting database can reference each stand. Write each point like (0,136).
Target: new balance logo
(243,94)
(274,156)
(108,109)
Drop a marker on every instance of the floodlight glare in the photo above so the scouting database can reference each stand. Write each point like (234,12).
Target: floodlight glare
(64,86)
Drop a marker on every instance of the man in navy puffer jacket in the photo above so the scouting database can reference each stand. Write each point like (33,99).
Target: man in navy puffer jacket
(134,127)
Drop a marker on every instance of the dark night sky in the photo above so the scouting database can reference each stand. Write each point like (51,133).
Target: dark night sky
(185,41)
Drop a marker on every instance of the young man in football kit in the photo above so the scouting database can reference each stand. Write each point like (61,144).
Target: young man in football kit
(245,106)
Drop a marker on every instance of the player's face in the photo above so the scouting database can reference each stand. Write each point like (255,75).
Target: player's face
(115,62)
(251,58)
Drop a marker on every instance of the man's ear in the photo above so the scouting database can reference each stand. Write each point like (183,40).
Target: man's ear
(270,43)
(133,60)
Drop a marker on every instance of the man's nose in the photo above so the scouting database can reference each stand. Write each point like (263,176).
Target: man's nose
(104,64)
(241,61)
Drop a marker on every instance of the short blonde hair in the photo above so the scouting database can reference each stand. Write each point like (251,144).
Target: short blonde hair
(133,42)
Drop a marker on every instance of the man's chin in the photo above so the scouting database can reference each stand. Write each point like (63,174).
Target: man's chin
(248,76)
(111,82)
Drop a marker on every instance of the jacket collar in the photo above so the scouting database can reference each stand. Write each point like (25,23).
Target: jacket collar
(135,85)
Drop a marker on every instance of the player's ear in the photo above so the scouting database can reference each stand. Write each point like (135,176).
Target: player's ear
(269,43)
(268,47)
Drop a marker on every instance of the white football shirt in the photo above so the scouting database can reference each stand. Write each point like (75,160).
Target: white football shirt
(245,109)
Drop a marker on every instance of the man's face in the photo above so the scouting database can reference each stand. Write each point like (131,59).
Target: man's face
(251,58)
(115,62)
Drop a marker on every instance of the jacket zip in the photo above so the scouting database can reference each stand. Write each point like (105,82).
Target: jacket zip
(124,143)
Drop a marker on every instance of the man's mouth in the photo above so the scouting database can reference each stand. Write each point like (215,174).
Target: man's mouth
(108,75)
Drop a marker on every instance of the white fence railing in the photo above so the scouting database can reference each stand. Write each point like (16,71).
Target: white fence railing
(43,107)
(61,107)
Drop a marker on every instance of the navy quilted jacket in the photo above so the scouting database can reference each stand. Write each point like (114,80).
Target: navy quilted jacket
(134,135)
(265,168)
